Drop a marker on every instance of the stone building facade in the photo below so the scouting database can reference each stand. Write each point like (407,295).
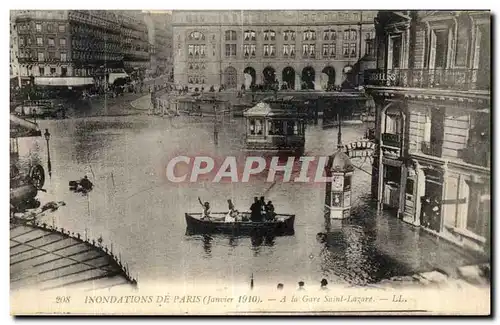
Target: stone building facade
(432,94)
(304,49)
(78,43)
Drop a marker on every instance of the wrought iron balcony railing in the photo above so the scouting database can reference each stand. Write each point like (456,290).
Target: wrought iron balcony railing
(458,79)
(433,148)
(389,139)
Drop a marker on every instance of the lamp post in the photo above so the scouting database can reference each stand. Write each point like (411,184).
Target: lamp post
(47,138)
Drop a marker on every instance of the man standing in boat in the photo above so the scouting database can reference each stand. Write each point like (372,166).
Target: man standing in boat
(255,210)
(206,210)
(263,211)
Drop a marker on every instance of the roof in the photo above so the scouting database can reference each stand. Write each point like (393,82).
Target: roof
(340,162)
(275,107)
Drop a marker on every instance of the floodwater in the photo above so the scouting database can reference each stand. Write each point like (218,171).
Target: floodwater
(141,214)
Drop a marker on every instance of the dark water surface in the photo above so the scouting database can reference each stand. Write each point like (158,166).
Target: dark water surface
(136,209)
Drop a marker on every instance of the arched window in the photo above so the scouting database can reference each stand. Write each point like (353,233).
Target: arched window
(309,35)
(329,35)
(269,35)
(289,35)
(249,35)
(350,35)
(230,35)
(196,36)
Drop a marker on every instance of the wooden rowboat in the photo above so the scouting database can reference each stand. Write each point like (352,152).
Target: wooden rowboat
(281,226)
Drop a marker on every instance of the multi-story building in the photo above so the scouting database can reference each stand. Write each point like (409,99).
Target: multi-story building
(75,47)
(432,94)
(160,39)
(14,61)
(302,49)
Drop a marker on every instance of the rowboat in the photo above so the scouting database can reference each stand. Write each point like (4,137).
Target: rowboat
(281,226)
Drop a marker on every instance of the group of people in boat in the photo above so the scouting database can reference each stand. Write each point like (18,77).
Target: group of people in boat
(259,211)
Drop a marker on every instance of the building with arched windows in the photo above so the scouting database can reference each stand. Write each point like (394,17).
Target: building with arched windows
(297,49)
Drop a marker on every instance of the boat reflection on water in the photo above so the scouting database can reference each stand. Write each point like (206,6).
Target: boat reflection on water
(257,239)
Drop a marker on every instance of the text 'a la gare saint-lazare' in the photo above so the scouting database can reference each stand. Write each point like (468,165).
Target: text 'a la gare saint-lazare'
(187,169)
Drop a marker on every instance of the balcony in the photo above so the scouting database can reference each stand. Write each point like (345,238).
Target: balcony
(456,79)
(392,140)
(434,148)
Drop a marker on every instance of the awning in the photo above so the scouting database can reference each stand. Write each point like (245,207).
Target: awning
(22,128)
(64,81)
(118,75)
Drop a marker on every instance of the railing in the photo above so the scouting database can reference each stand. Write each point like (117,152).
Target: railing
(434,148)
(460,79)
(389,139)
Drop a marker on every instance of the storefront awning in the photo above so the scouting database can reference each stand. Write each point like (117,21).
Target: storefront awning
(64,81)
(22,128)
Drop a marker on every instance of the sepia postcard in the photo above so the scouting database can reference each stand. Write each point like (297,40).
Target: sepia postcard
(250,162)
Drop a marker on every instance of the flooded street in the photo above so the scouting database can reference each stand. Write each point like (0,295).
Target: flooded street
(134,207)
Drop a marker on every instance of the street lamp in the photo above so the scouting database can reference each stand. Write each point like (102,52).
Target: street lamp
(47,138)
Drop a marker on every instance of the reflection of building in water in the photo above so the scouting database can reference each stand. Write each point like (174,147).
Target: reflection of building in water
(432,95)
(275,126)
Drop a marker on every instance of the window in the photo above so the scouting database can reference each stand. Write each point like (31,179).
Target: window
(369,48)
(52,55)
(38,28)
(329,50)
(64,70)
(41,56)
(441,48)
(272,49)
(329,35)
(50,28)
(39,41)
(276,128)
(309,35)
(256,127)
(289,35)
(266,50)
(305,49)
(190,66)
(203,50)
(51,42)
(292,49)
(190,50)
(312,49)
(479,209)
(230,50)
(249,35)
(196,36)
(41,70)
(52,70)
(350,35)
(345,49)
(230,35)
(21,41)
(285,50)
(253,49)
(395,52)
(62,28)
(62,42)
(246,50)
(352,49)
(269,35)
(63,56)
